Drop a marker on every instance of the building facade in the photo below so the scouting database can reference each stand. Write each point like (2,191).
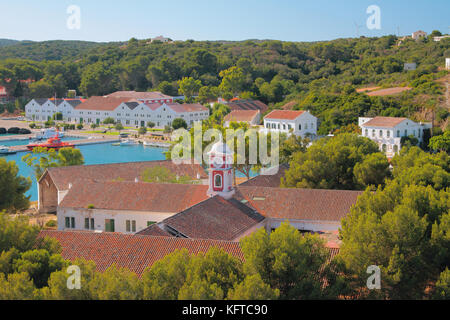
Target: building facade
(300,123)
(127,107)
(387,132)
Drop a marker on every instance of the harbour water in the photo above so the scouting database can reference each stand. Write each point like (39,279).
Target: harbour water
(94,154)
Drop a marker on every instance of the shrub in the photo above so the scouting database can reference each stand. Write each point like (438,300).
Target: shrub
(80,126)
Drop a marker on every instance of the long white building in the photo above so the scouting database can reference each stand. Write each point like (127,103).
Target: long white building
(387,132)
(127,107)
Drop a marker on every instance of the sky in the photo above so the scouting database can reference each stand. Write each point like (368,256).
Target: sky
(286,20)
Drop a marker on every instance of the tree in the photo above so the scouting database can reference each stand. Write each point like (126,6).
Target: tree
(253,288)
(119,126)
(16,233)
(151,124)
(109,120)
(142,130)
(13,187)
(441,142)
(372,171)
(329,163)
(232,80)
(165,278)
(290,145)
(16,286)
(287,260)
(179,123)
(442,290)
(208,94)
(188,86)
(210,276)
(39,264)
(42,158)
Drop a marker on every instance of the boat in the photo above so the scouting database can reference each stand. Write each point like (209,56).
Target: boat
(4,150)
(127,142)
(52,143)
(49,133)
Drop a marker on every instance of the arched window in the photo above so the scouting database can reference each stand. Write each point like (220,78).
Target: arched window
(384,148)
(218,181)
(367,132)
(299,127)
(395,148)
(381,133)
(388,134)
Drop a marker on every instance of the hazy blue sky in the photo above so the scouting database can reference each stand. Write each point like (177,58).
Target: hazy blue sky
(290,20)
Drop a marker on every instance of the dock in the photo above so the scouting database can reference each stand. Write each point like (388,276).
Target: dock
(81,142)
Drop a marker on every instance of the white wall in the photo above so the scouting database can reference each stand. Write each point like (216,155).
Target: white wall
(100,215)
(305,124)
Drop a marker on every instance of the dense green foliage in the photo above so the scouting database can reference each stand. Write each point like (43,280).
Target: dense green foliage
(42,158)
(403,228)
(13,187)
(347,161)
(319,76)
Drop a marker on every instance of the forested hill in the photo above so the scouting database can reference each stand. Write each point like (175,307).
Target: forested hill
(7,42)
(319,76)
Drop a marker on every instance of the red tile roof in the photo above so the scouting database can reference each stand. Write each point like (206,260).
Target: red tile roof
(242,115)
(299,204)
(155,95)
(129,171)
(179,108)
(284,114)
(248,104)
(134,196)
(135,252)
(384,122)
(102,103)
(215,218)
(154,230)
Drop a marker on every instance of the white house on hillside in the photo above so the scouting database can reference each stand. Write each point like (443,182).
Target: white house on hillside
(302,123)
(388,131)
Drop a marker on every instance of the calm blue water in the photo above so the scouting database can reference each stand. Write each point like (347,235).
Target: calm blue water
(17,142)
(96,154)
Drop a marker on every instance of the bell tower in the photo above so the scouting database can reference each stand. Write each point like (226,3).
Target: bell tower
(221,171)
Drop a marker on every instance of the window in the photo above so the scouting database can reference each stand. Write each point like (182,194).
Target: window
(299,127)
(130,226)
(150,223)
(109,225)
(388,134)
(367,132)
(70,222)
(373,133)
(381,133)
(218,181)
(89,224)
(398,133)
(406,132)
(306,126)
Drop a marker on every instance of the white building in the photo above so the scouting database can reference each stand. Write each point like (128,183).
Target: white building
(447,63)
(127,107)
(418,34)
(301,123)
(125,207)
(387,132)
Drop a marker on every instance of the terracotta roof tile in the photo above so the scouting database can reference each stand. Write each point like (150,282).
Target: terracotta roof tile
(248,104)
(284,114)
(301,204)
(215,218)
(134,196)
(385,122)
(154,230)
(102,103)
(135,252)
(129,171)
(241,115)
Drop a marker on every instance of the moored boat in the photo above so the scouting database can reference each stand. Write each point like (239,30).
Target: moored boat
(52,143)
(4,150)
